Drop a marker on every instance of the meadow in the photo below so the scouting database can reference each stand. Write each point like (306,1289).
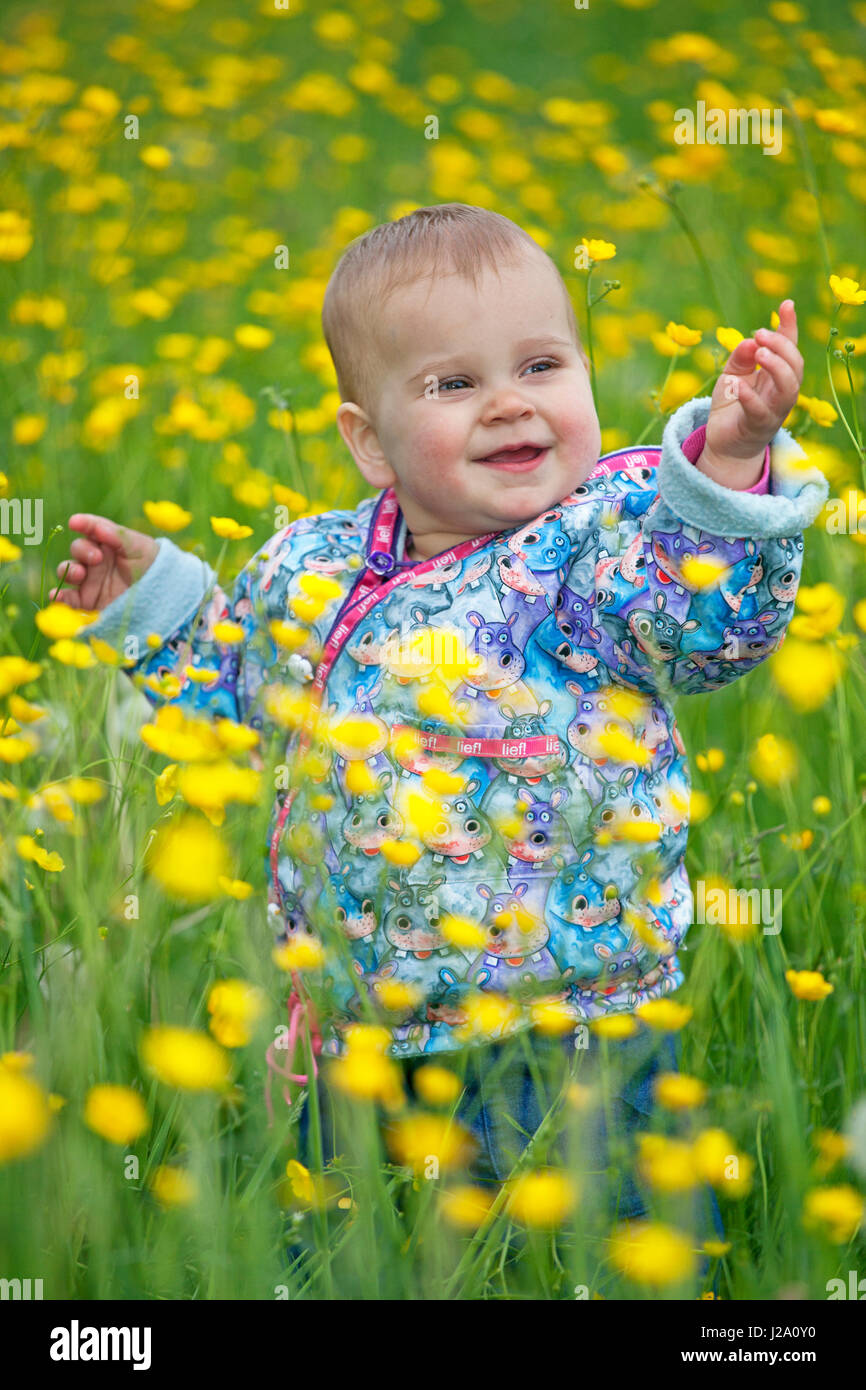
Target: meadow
(177,182)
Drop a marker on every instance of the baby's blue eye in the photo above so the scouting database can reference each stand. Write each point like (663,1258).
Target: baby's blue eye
(533,365)
(451,381)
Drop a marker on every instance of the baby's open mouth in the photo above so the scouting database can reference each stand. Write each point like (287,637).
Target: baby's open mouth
(523,456)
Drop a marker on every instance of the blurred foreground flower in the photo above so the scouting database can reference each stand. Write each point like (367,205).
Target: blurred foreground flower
(235,1006)
(430,1143)
(718,1161)
(542,1198)
(774,760)
(436,1085)
(172,1186)
(665,1014)
(117,1113)
(188,858)
(25,1114)
(675,1091)
(839,1210)
(185,1058)
(466,1205)
(651,1253)
(366,1074)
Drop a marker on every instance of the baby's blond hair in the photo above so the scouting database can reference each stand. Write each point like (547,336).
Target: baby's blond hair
(447,237)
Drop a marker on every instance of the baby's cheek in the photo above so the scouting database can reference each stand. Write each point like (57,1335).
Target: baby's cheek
(435,455)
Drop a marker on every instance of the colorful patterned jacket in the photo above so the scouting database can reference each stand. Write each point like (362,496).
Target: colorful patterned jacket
(552,816)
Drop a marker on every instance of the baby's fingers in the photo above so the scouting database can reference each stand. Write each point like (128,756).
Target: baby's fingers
(782,374)
(755,408)
(98,529)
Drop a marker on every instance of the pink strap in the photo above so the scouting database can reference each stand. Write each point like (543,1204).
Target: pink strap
(298,1009)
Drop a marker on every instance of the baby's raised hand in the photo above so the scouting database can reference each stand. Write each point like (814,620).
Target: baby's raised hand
(748,405)
(104,563)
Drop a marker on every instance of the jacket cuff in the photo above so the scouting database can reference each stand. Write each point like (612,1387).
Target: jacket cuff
(799,490)
(693,447)
(165,595)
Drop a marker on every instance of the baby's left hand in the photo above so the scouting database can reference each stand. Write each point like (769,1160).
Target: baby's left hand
(748,405)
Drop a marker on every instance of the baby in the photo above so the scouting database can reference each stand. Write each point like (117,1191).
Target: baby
(494,806)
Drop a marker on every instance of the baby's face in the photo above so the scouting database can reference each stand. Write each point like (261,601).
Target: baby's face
(466,374)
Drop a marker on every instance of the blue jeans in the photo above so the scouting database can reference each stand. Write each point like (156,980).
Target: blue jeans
(501,1106)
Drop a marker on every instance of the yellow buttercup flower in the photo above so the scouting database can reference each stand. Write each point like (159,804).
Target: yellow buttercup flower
(236,1006)
(463,932)
(729,338)
(299,953)
(681,335)
(675,1091)
(235,887)
(366,1074)
(156,157)
(621,1025)
(599,250)
(188,858)
(288,634)
(16,670)
(718,1161)
(822,606)
(542,1198)
(430,1143)
(230,529)
(665,1014)
(16,238)
(838,1209)
(58,620)
(666,1164)
(172,1186)
(25,1114)
(436,1085)
(808,984)
(466,1206)
(8,550)
(397,995)
(117,1113)
(305,1189)
(553,1017)
(236,738)
(167,516)
(253,336)
(716,1248)
(832,1148)
(806,672)
(711,761)
(774,760)
(651,1253)
(847,291)
(28,429)
(488,1015)
(822,412)
(29,848)
(186,1058)
(71,653)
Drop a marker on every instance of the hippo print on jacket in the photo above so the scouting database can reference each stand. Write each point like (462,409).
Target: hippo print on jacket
(496,792)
